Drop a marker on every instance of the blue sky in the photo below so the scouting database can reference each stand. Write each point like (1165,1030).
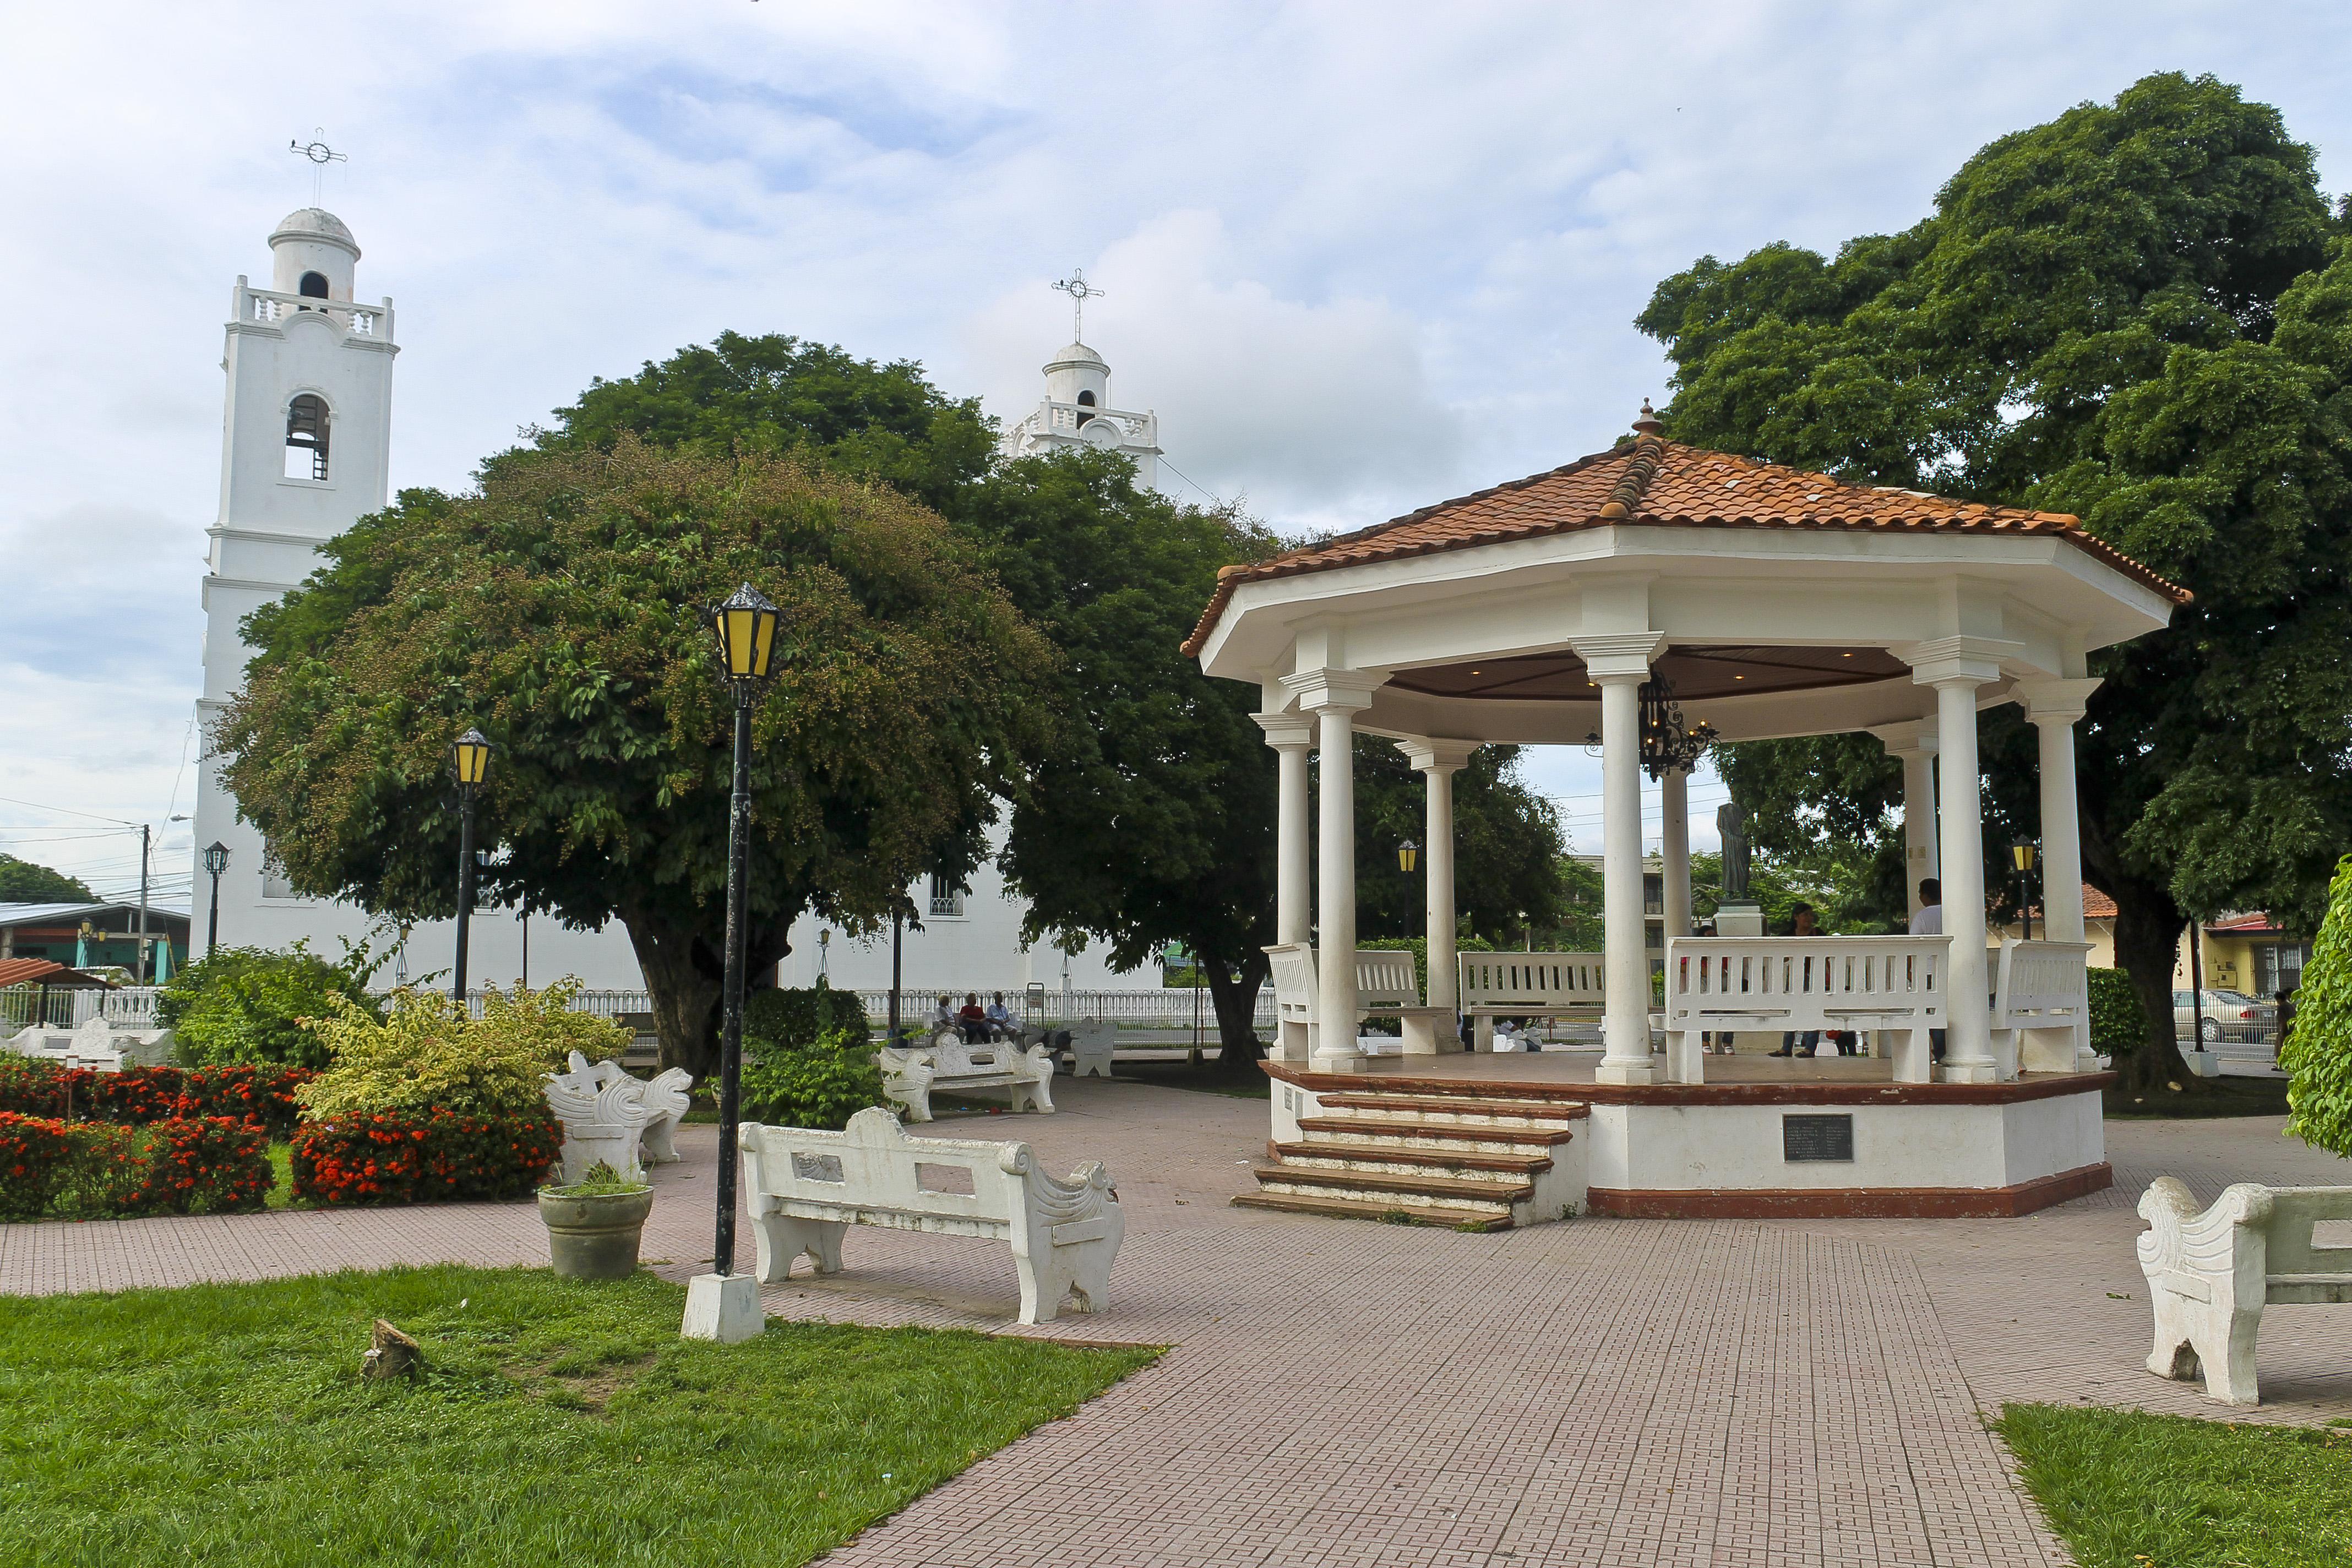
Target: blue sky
(1358,257)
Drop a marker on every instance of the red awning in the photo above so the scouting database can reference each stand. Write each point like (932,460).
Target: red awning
(47,972)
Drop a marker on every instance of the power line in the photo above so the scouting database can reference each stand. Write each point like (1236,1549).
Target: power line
(39,806)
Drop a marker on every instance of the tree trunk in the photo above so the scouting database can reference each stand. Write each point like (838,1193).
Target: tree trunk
(685,977)
(2147,944)
(1234,994)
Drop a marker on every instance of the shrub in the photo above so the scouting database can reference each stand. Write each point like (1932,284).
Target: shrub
(209,1165)
(393,1157)
(35,1156)
(2117,1024)
(820,1084)
(424,1056)
(261,1095)
(795,1017)
(136,1096)
(247,1004)
(31,1087)
(2316,1055)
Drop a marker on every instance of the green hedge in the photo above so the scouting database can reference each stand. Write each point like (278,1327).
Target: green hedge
(247,1004)
(819,1085)
(2118,1026)
(2316,1055)
(801,1016)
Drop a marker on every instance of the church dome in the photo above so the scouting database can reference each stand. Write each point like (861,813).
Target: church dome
(1076,354)
(315,225)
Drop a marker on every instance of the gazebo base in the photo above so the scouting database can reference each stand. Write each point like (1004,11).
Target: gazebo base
(1831,1138)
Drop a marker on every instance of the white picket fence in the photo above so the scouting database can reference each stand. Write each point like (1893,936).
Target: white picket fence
(132,1006)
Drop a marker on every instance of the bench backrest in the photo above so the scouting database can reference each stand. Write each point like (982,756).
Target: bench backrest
(873,1162)
(1805,981)
(1385,977)
(2038,984)
(2294,1211)
(1533,980)
(1294,982)
(954,1057)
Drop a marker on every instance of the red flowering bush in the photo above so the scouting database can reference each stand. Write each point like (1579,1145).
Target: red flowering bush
(405,1156)
(36,1154)
(135,1096)
(211,1164)
(34,1088)
(261,1094)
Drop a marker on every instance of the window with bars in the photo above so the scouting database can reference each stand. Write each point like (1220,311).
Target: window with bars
(947,899)
(306,438)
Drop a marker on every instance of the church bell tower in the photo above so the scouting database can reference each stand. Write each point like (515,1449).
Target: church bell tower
(305,452)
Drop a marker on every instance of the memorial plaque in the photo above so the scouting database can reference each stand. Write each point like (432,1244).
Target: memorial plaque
(1816,1138)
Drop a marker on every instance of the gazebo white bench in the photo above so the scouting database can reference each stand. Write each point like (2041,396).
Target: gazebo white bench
(806,1188)
(1527,985)
(2041,1007)
(1890,984)
(2211,1272)
(949,1064)
(1386,987)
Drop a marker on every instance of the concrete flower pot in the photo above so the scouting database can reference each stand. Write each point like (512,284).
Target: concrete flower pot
(594,1235)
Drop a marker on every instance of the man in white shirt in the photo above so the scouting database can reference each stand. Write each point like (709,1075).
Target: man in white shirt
(1929,921)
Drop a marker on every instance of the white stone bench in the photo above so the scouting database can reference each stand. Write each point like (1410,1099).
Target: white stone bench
(806,1188)
(1091,1046)
(1526,986)
(1892,985)
(610,1116)
(948,1064)
(97,1045)
(2211,1272)
(1386,987)
(2041,1007)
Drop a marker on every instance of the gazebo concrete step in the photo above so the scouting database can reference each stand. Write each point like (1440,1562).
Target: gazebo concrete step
(1354,1208)
(1416,1133)
(1399,1189)
(1455,1108)
(1320,1155)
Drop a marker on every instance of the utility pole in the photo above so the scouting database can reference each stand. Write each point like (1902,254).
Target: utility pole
(145,834)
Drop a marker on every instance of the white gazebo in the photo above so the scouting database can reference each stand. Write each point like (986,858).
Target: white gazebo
(1763,601)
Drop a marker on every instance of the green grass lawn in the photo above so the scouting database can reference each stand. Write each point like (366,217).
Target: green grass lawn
(281,1191)
(558,1423)
(2127,1489)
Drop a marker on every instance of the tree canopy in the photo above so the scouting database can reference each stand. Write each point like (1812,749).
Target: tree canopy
(23,882)
(2139,313)
(560,607)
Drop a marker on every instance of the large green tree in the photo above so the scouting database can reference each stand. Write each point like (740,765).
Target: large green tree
(2141,313)
(560,607)
(1509,849)
(23,882)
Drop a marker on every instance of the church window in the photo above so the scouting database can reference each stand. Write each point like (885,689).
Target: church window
(1085,400)
(313,286)
(306,438)
(947,899)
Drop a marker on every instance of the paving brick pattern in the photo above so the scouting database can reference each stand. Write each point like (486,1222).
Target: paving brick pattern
(1602,1392)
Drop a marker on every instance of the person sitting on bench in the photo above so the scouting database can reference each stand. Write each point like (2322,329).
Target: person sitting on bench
(999,1019)
(972,1020)
(1790,1043)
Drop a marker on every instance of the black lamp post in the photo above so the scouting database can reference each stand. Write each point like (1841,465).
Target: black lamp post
(216,862)
(2021,854)
(746,625)
(470,759)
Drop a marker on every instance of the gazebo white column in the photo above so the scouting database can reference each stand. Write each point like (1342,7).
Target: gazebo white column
(1439,761)
(1955,667)
(1674,847)
(1291,735)
(1618,663)
(2053,707)
(1335,697)
(1914,745)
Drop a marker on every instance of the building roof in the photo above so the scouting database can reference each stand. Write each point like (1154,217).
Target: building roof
(2097,905)
(1651,481)
(52,914)
(2256,923)
(46,972)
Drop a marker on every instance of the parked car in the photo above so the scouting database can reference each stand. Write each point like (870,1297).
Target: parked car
(2229,1016)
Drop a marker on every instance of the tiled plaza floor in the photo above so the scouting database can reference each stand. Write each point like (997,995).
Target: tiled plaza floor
(1618,1391)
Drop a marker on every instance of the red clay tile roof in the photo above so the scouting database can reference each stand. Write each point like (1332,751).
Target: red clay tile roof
(1653,480)
(46,972)
(2097,905)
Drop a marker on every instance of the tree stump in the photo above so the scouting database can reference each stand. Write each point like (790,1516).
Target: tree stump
(391,1354)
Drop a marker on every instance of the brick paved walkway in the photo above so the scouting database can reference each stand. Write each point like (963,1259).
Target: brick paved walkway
(1602,1392)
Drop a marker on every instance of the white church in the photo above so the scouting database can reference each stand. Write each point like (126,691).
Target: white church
(305,452)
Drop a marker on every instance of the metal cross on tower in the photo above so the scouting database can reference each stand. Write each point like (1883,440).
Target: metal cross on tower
(1079,290)
(321,155)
